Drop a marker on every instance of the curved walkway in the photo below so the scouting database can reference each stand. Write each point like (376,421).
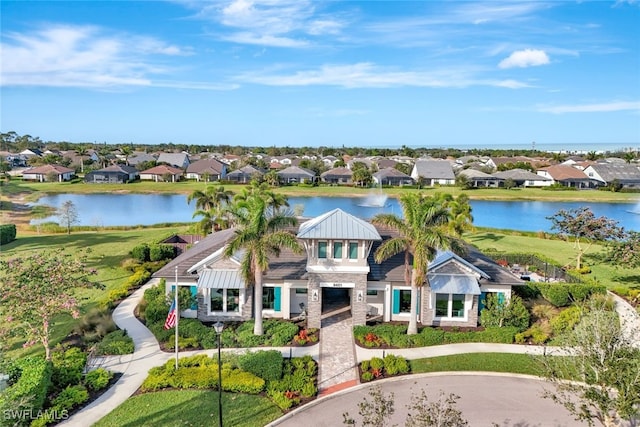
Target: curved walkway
(336,357)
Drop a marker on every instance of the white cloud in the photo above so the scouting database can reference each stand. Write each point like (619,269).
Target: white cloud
(86,57)
(592,108)
(365,74)
(525,58)
(265,40)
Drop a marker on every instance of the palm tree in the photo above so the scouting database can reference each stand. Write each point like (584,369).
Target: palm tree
(211,205)
(126,150)
(425,229)
(82,151)
(259,234)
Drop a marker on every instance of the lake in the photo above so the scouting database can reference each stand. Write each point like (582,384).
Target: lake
(146,209)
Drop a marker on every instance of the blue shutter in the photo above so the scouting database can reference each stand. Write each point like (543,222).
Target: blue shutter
(396,301)
(500,298)
(483,297)
(276,298)
(194,293)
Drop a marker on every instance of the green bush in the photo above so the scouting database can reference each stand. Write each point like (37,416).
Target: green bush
(282,401)
(161,252)
(364,365)
(7,233)
(265,364)
(367,376)
(376,363)
(95,325)
(67,367)
(395,365)
(556,294)
(116,342)
(138,278)
(97,379)
(242,382)
(30,378)
(183,343)
(536,333)
(70,397)
(141,252)
(566,320)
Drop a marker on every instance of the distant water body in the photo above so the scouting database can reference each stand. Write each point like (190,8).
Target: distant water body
(610,147)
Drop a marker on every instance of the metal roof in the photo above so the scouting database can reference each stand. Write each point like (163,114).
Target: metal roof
(220,279)
(453,284)
(435,169)
(337,224)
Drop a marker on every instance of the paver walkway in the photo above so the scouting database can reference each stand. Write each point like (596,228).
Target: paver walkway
(337,364)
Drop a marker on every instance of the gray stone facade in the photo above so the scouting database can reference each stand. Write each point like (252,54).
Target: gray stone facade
(246,310)
(358,296)
(427,315)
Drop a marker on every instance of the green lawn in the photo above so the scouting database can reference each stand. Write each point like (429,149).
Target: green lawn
(560,251)
(105,252)
(192,408)
(491,362)
(36,189)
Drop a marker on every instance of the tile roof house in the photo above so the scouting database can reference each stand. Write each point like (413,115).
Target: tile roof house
(244,175)
(337,176)
(628,175)
(392,176)
(523,178)
(337,266)
(48,173)
(433,172)
(179,160)
(479,179)
(114,174)
(162,173)
(565,175)
(207,170)
(295,174)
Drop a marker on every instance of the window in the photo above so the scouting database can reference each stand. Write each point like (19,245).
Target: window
(301,291)
(322,250)
(450,305)
(457,305)
(353,250)
(372,293)
(337,250)
(442,305)
(225,300)
(405,301)
(268,298)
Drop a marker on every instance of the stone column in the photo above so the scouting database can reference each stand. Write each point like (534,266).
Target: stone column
(314,302)
(359,300)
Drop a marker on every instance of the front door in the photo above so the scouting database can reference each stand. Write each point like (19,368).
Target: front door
(334,299)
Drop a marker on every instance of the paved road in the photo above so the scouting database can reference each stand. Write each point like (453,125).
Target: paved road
(485,400)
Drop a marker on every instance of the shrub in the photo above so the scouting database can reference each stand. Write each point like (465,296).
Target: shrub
(364,365)
(282,401)
(394,365)
(242,382)
(30,378)
(309,389)
(556,294)
(97,379)
(7,233)
(566,320)
(70,397)
(161,252)
(544,311)
(537,333)
(67,367)
(367,376)
(141,252)
(116,342)
(183,343)
(265,364)
(95,325)
(504,313)
(376,363)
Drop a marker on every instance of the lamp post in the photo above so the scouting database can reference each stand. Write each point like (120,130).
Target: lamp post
(219,326)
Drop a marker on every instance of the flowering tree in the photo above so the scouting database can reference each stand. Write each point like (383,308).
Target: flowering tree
(36,287)
(581,228)
(626,252)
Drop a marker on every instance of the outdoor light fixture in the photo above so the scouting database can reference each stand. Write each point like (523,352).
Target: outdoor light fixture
(219,327)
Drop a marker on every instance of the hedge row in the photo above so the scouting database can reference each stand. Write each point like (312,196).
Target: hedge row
(7,233)
(561,294)
(155,252)
(390,366)
(396,336)
(30,378)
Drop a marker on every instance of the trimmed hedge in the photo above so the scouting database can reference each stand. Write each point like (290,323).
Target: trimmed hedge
(67,367)
(563,294)
(7,233)
(29,391)
(264,364)
(115,343)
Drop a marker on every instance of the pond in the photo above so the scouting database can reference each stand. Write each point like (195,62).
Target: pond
(146,209)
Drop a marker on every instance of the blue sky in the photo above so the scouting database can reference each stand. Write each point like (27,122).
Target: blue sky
(309,73)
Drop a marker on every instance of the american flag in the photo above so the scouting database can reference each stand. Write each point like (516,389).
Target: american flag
(171,317)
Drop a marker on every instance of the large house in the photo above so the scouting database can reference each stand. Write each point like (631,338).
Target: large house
(207,170)
(433,172)
(48,173)
(625,174)
(336,266)
(114,174)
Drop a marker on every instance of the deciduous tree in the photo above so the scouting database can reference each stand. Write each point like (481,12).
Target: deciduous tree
(68,215)
(36,287)
(582,229)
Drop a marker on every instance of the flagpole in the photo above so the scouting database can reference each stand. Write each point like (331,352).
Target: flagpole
(175,301)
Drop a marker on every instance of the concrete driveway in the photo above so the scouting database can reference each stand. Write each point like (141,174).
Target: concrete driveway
(486,399)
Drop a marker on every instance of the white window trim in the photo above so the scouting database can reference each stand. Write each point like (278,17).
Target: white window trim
(356,259)
(224,306)
(468,302)
(333,242)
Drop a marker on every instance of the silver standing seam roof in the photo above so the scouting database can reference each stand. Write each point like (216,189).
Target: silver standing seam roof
(337,224)
(220,279)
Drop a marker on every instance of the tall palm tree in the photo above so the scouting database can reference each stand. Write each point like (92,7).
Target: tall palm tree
(82,151)
(211,204)
(260,233)
(424,229)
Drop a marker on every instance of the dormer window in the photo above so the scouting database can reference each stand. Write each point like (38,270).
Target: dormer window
(322,250)
(353,250)
(337,250)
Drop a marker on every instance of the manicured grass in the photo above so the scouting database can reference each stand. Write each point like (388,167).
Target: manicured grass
(105,252)
(491,362)
(192,408)
(185,187)
(560,251)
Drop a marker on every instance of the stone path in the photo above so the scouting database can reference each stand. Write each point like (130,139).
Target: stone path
(337,364)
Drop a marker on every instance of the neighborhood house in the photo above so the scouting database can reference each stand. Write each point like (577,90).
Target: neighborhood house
(337,270)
